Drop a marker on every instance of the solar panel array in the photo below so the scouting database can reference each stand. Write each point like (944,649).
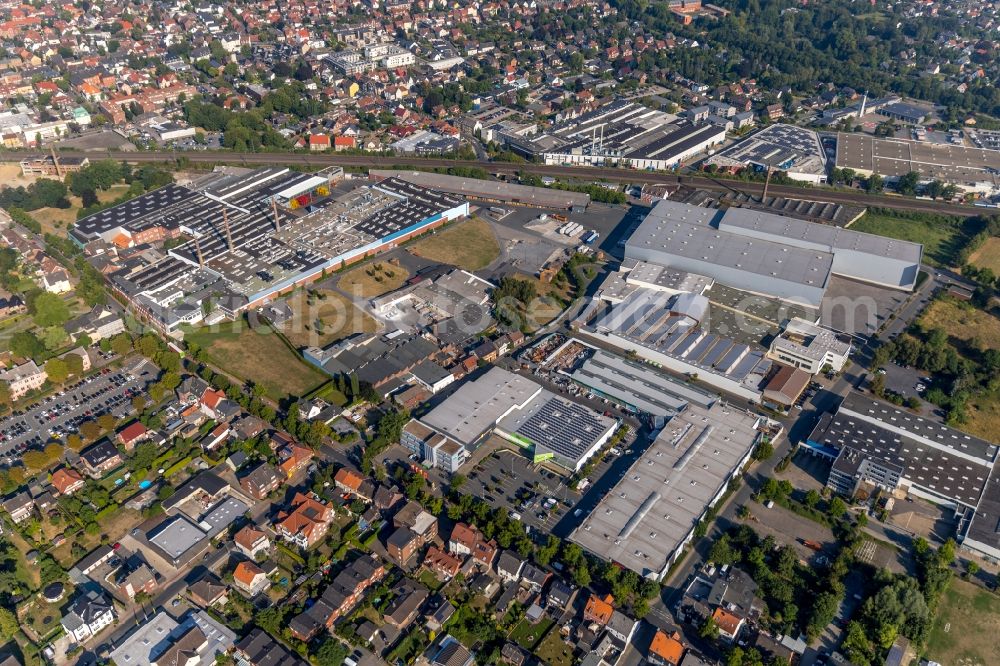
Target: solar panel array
(565,428)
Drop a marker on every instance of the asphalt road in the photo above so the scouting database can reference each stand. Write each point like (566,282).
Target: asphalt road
(34,426)
(855,197)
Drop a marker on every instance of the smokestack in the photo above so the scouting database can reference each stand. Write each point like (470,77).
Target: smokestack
(767,182)
(274,207)
(225,222)
(55,161)
(197,249)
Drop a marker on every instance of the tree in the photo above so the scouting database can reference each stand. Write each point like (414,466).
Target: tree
(331,653)
(49,310)
(9,626)
(709,630)
(74,364)
(89,430)
(811,498)
(907,184)
(56,370)
(121,344)
(836,508)
(5,395)
(54,337)
(26,345)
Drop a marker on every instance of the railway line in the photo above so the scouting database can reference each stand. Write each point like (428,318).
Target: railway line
(556,171)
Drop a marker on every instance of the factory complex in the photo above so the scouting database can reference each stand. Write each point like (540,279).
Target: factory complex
(876,447)
(251,236)
(970,169)
(621,133)
(795,150)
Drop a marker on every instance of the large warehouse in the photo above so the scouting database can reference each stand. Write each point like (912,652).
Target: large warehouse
(795,150)
(645,521)
(769,254)
(253,235)
(970,169)
(621,132)
(550,427)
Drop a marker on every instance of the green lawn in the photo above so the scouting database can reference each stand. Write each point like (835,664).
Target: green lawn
(258,356)
(941,236)
(966,631)
(553,651)
(528,635)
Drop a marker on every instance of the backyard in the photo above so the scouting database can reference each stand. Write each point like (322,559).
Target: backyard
(322,316)
(963,322)
(470,245)
(966,631)
(249,354)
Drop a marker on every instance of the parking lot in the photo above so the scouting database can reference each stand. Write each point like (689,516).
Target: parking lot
(62,413)
(508,480)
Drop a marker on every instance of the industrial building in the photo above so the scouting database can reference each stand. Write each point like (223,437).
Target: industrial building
(874,446)
(470,414)
(490,191)
(810,347)
(517,409)
(621,133)
(253,235)
(556,429)
(769,254)
(644,522)
(795,150)
(457,297)
(975,170)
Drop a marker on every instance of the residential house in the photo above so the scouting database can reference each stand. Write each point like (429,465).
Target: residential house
(534,578)
(306,522)
(262,480)
(468,540)
(452,653)
(405,607)
(509,566)
(351,482)
(19,507)
(599,609)
(621,626)
(319,142)
(216,436)
(250,578)
(101,458)
(294,458)
(89,613)
(208,591)
(99,323)
(418,520)
(402,546)
(560,595)
(729,624)
(443,565)
(23,378)
(134,576)
(131,435)
(339,598)
(258,649)
(67,480)
(666,650)
(252,542)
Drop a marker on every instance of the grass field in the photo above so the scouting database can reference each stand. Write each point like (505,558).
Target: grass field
(553,651)
(941,238)
(54,220)
(528,635)
(470,245)
(323,318)
(983,416)
(262,357)
(963,323)
(966,631)
(373,279)
(987,256)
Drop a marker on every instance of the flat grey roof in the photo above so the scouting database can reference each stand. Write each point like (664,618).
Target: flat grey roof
(176,536)
(222,515)
(827,238)
(896,157)
(478,188)
(638,386)
(642,521)
(476,407)
(682,230)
